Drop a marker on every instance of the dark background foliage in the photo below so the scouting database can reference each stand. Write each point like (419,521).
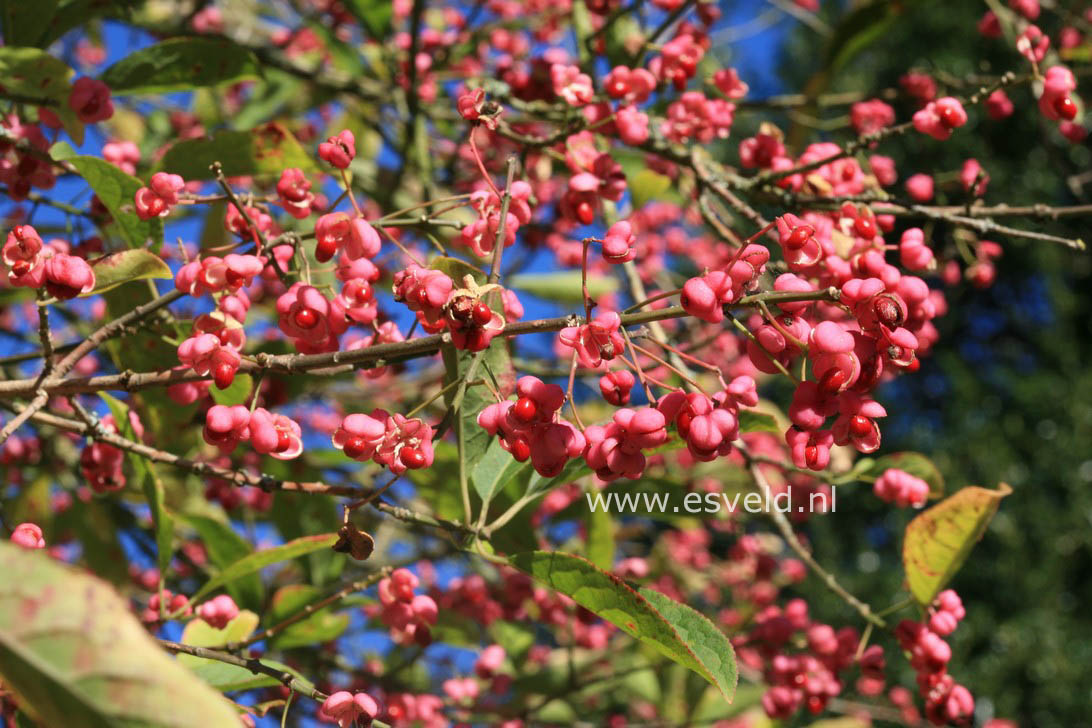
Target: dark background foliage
(1006,396)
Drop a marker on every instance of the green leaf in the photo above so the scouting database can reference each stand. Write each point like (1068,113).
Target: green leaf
(495,470)
(73,13)
(225,547)
(116,190)
(860,28)
(127,265)
(299,514)
(938,541)
(238,392)
(257,561)
(600,539)
(35,74)
(161,519)
(434,484)
(145,473)
(232,678)
(96,529)
(224,677)
(562,286)
(647,185)
(515,637)
(707,643)
(914,463)
(181,64)
(318,628)
(675,630)
(457,269)
(755,421)
(573,470)
(374,15)
(72,651)
(263,152)
(495,362)
(25,22)
(199,633)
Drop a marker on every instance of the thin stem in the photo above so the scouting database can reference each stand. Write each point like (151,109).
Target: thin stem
(349,191)
(652,299)
(637,366)
(569,392)
(506,200)
(481,165)
(787,533)
(689,380)
(309,609)
(446,388)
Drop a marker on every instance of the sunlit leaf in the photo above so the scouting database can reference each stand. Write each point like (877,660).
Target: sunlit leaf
(675,630)
(495,469)
(938,541)
(116,190)
(646,185)
(318,628)
(181,64)
(562,286)
(127,265)
(600,539)
(74,654)
(259,560)
(755,421)
(265,151)
(35,74)
(226,547)
(238,392)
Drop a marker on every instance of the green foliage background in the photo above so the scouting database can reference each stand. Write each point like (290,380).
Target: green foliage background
(1007,395)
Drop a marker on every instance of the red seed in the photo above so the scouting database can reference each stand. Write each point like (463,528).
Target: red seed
(525,409)
(482,314)
(305,318)
(585,213)
(832,381)
(223,375)
(520,450)
(1066,108)
(860,426)
(949,117)
(411,457)
(325,250)
(355,447)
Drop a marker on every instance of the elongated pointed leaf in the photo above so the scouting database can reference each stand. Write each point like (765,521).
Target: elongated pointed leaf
(257,561)
(238,392)
(564,286)
(225,547)
(127,265)
(25,22)
(76,656)
(320,627)
(264,151)
(35,74)
(374,16)
(116,190)
(146,475)
(755,421)
(939,540)
(181,64)
(600,539)
(675,630)
(494,471)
